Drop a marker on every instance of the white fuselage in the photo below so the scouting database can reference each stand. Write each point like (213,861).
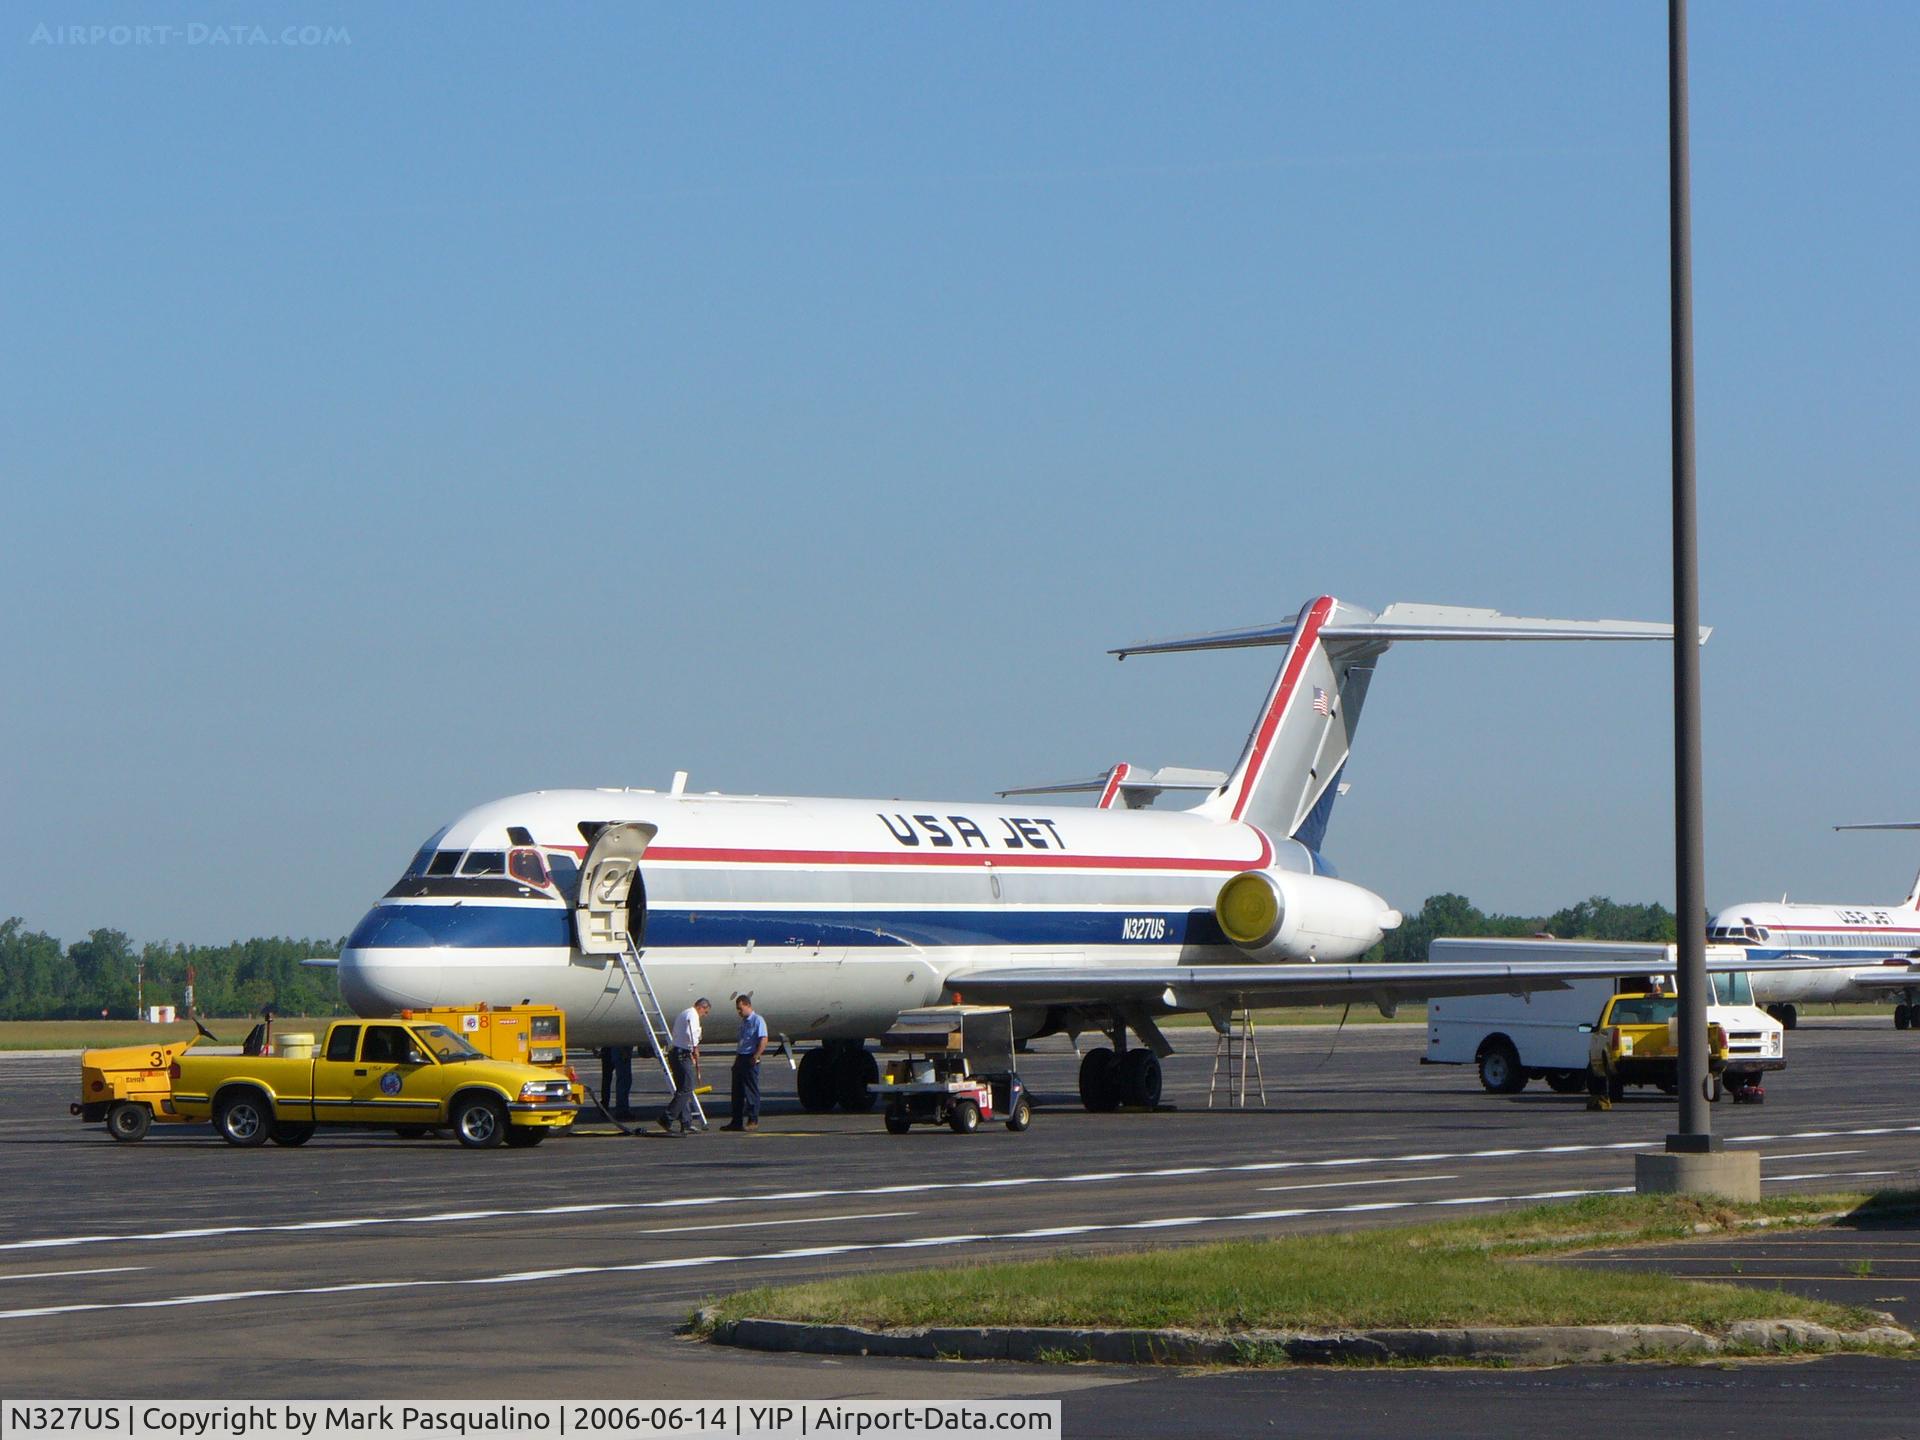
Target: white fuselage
(834,915)
(1872,934)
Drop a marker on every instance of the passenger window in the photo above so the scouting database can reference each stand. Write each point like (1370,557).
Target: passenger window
(484,862)
(386,1045)
(527,867)
(445,863)
(341,1040)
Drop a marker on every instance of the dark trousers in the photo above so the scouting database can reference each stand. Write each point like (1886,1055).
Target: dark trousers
(746,1089)
(616,1076)
(681,1106)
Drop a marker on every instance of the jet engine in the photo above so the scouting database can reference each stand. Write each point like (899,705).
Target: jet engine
(1280,915)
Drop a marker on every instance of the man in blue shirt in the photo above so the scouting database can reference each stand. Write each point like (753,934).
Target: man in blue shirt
(746,1066)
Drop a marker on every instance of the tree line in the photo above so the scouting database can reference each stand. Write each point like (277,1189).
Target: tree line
(40,979)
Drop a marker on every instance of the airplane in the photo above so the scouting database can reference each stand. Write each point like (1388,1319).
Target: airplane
(836,914)
(1883,941)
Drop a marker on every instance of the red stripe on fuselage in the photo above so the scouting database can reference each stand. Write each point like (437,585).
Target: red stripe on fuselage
(1303,643)
(1053,860)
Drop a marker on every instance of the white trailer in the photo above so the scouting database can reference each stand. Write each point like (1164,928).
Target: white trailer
(1545,1035)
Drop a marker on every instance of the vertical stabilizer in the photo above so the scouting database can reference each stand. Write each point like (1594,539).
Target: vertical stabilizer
(1289,773)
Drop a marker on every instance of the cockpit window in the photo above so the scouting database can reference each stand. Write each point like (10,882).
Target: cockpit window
(527,867)
(484,862)
(444,863)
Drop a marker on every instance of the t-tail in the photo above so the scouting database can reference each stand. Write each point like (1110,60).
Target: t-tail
(1913,896)
(1289,773)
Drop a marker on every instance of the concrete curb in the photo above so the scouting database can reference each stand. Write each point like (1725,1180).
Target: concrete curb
(1515,1345)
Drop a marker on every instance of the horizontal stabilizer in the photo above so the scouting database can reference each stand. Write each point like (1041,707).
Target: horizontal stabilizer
(1403,621)
(329,962)
(1884,825)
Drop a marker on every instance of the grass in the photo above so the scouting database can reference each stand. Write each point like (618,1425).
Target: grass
(1460,1272)
(92,1034)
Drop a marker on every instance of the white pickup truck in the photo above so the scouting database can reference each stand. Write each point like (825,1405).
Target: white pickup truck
(1545,1035)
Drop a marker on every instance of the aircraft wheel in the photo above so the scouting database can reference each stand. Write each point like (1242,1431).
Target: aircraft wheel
(814,1082)
(128,1121)
(898,1122)
(1791,1020)
(1566,1082)
(1902,1016)
(965,1118)
(1021,1116)
(525,1137)
(1140,1078)
(1100,1079)
(855,1072)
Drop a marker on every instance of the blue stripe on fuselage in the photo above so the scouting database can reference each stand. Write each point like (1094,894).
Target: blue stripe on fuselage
(547,926)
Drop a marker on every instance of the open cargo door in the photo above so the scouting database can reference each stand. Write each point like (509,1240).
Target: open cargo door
(612,900)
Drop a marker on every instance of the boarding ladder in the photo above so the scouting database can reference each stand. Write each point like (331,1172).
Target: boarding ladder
(1235,1048)
(659,1028)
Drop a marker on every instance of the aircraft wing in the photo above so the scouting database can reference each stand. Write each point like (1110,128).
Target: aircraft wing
(1887,977)
(1166,988)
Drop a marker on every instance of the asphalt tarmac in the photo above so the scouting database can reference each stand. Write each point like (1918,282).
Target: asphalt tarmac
(365,1266)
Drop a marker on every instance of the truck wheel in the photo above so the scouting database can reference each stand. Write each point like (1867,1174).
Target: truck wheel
(1140,1078)
(1021,1116)
(128,1121)
(292,1134)
(898,1122)
(964,1118)
(1500,1070)
(1567,1082)
(854,1076)
(479,1122)
(525,1137)
(244,1117)
(1100,1079)
(814,1081)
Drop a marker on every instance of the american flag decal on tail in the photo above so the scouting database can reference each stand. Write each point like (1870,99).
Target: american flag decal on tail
(1322,702)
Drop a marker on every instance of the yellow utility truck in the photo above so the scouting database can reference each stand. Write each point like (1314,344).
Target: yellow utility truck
(381,1073)
(1637,1042)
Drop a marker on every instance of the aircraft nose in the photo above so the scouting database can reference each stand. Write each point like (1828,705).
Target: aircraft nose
(378,977)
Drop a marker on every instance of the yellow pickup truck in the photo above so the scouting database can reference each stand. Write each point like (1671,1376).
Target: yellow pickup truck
(1636,1043)
(374,1073)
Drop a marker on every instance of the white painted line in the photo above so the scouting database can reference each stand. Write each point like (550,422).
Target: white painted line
(1812,1154)
(769,1224)
(1354,1184)
(1832,1175)
(925,1187)
(811,1252)
(69,1274)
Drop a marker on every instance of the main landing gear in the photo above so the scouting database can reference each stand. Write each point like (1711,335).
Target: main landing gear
(1112,1077)
(837,1072)
(1787,1015)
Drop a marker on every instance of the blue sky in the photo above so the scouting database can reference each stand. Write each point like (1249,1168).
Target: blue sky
(500,397)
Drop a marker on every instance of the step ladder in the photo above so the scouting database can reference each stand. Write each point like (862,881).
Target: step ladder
(659,1028)
(1234,1049)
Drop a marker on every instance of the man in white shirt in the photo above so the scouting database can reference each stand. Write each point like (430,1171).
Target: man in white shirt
(684,1060)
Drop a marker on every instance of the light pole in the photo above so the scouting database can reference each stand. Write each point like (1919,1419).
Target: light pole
(1692,1161)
